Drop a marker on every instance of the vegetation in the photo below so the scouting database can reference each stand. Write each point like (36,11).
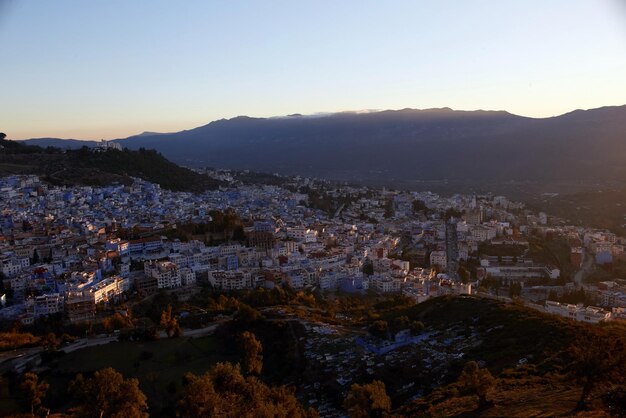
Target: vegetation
(108,394)
(252,353)
(596,357)
(224,392)
(369,400)
(169,323)
(477,381)
(34,391)
(14,339)
(600,208)
(507,354)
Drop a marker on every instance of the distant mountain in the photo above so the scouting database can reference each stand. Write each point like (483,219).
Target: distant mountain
(59,143)
(96,167)
(415,148)
(146,133)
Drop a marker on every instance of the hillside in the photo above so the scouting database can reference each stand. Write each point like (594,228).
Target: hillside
(531,356)
(90,167)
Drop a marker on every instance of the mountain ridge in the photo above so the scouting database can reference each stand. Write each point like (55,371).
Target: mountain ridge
(476,149)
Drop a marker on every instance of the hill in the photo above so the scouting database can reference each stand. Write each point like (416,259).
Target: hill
(96,167)
(427,149)
(530,354)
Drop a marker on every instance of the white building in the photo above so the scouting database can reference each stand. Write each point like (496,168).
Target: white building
(438,258)
(166,273)
(590,314)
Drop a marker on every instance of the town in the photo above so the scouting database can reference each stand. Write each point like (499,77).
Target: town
(90,258)
(64,249)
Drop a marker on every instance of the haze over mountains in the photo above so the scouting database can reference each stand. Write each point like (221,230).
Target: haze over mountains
(577,150)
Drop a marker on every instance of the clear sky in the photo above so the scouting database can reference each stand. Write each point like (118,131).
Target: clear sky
(107,69)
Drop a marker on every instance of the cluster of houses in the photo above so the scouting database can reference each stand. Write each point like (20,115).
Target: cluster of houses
(64,250)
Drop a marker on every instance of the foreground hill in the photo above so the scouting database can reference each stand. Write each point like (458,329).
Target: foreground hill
(95,167)
(537,364)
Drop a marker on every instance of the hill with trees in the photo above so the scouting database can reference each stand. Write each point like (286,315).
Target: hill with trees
(97,167)
(474,357)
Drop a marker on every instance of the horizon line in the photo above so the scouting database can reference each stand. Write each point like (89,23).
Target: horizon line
(316,114)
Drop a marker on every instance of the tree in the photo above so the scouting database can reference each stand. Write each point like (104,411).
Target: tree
(34,391)
(389,210)
(108,394)
(252,353)
(419,206)
(478,382)
(369,400)
(50,341)
(224,392)
(169,323)
(400,323)
(247,314)
(417,327)
(2,136)
(368,268)
(379,329)
(464,274)
(515,289)
(595,356)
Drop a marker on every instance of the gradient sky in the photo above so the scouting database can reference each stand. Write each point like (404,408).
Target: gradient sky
(108,69)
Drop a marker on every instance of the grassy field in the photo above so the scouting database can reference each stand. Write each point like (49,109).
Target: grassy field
(159,366)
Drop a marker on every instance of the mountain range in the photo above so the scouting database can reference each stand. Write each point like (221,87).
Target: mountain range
(491,150)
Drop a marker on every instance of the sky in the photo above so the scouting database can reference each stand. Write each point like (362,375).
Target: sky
(104,69)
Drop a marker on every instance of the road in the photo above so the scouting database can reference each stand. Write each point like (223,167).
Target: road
(587,268)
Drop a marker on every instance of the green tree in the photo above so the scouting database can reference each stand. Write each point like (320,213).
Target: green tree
(108,394)
(477,381)
(369,400)
(34,391)
(252,353)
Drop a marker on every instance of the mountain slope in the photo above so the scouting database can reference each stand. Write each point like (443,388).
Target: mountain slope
(482,149)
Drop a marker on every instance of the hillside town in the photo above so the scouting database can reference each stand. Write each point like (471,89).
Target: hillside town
(70,250)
